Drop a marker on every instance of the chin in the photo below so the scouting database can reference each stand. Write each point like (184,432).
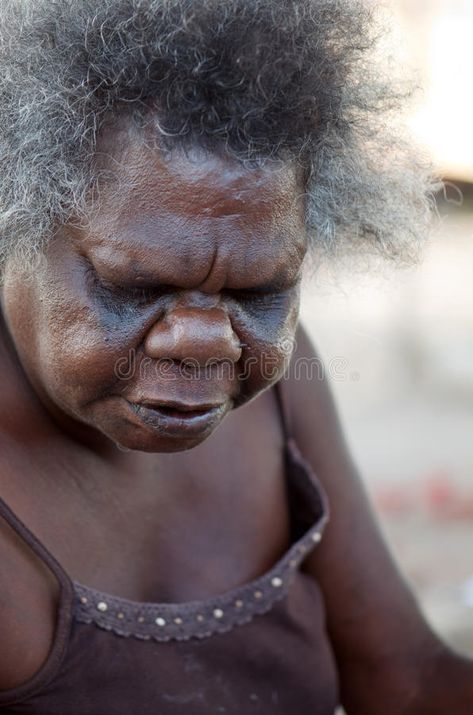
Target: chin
(157,446)
(157,428)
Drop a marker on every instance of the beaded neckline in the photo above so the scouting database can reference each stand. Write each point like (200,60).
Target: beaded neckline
(201,619)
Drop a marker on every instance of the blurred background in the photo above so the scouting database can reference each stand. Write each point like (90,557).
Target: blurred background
(398,343)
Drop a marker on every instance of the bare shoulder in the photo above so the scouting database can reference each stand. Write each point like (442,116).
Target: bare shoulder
(311,405)
(380,638)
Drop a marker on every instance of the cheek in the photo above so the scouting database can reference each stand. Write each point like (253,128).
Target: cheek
(68,355)
(76,357)
(268,335)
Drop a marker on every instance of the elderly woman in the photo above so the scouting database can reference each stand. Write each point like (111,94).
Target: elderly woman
(167,165)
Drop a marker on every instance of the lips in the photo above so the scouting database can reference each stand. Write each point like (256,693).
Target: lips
(177,419)
(179,407)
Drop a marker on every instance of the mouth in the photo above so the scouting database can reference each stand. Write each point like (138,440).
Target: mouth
(178,419)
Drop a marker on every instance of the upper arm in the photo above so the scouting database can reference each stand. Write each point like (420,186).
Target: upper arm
(381,641)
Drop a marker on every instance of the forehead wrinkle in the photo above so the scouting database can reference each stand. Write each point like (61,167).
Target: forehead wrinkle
(218,182)
(165,238)
(174,212)
(211,265)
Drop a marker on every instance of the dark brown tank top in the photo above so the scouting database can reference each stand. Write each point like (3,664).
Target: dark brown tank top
(257,649)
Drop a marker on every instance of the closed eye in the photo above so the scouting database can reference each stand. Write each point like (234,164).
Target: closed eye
(115,293)
(135,294)
(256,296)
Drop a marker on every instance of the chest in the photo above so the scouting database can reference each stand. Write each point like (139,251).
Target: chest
(177,527)
(244,574)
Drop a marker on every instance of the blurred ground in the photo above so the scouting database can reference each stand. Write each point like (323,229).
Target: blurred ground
(398,345)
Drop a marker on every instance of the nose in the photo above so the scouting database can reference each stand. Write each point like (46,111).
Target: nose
(196,335)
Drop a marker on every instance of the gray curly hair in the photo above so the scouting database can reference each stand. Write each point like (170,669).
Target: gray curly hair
(261,79)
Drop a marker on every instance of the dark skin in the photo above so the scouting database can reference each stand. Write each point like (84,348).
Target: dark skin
(189,258)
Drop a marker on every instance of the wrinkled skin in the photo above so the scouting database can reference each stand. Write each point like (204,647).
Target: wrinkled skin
(180,293)
(183,290)
(188,262)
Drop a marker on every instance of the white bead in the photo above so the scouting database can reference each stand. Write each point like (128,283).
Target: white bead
(218,613)
(200,618)
(258,594)
(316,537)
(160,622)
(121,616)
(83,599)
(102,606)
(276,582)
(178,621)
(238,604)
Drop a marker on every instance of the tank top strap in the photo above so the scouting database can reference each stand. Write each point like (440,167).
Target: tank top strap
(35,545)
(281,398)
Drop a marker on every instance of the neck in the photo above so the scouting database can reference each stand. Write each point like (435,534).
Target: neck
(65,459)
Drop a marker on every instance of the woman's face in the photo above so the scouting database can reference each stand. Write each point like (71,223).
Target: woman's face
(177,302)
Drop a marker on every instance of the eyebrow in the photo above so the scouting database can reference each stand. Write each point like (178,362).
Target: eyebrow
(135,272)
(278,283)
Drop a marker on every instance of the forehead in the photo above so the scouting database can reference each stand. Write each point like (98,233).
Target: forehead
(191,217)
